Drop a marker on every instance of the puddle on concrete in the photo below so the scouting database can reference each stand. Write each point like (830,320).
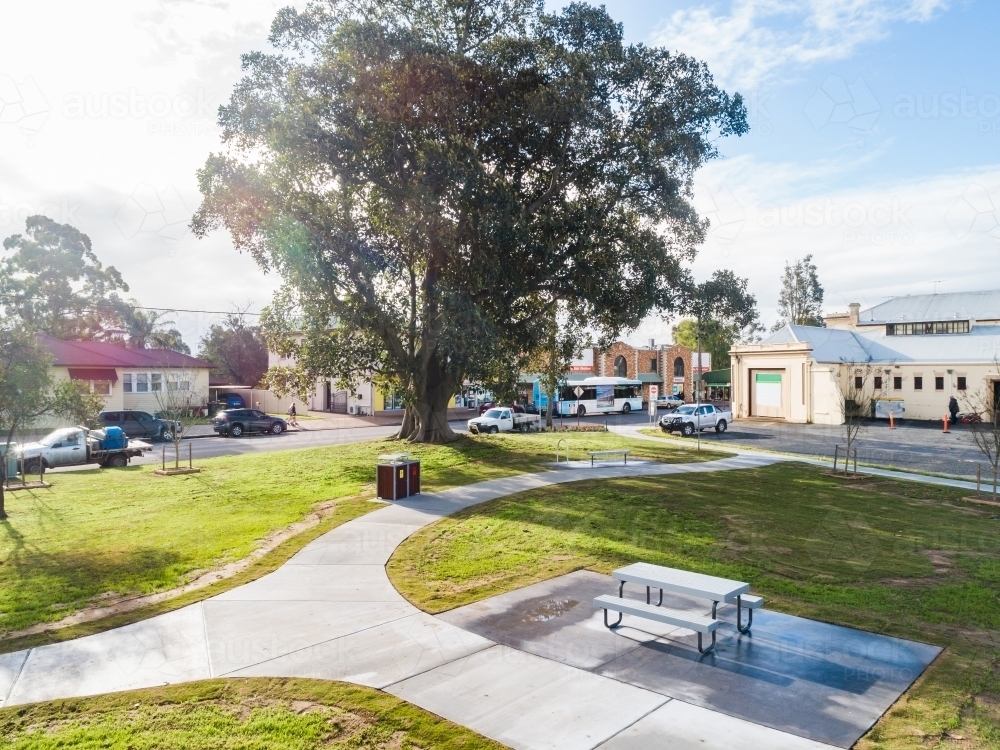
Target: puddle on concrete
(549,609)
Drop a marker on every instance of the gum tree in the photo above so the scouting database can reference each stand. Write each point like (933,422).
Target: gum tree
(433,177)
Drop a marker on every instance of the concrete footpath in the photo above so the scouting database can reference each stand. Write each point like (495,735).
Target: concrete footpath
(332,613)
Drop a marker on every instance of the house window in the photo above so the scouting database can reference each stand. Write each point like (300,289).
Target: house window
(878,382)
(859,382)
(102,387)
(961,383)
(652,365)
(679,367)
(127,382)
(141,382)
(621,367)
(927,329)
(897,383)
(939,383)
(918,383)
(156,382)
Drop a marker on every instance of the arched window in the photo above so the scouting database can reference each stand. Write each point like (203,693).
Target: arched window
(621,367)
(679,367)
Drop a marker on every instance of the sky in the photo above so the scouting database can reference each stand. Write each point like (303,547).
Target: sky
(874,143)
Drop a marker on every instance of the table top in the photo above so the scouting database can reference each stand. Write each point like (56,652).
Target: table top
(682,581)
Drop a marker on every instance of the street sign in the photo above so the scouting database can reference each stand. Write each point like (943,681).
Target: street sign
(654,393)
(578,391)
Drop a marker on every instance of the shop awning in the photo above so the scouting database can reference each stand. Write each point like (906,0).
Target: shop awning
(93,373)
(718,377)
(650,377)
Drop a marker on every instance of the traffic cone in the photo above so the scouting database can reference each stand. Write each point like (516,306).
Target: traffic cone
(945,420)
(892,422)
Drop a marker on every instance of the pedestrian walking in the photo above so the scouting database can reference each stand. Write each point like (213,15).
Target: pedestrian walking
(292,421)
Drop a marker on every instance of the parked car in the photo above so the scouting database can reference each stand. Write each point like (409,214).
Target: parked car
(139,424)
(670,402)
(72,446)
(485,406)
(690,417)
(237,422)
(503,419)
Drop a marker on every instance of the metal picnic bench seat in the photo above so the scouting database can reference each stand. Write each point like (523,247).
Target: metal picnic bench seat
(698,585)
(623,452)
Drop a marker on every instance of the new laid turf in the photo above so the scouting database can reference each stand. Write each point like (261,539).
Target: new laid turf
(906,559)
(110,533)
(255,714)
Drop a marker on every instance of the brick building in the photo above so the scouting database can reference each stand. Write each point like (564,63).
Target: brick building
(668,367)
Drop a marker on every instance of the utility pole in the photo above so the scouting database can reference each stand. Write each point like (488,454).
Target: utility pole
(697,384)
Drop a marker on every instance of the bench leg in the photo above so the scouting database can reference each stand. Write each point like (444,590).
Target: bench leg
(619,622)
(714,605)
(739,617)
(621,588)
(700,649)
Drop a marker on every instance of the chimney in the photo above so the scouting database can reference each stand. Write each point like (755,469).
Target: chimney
(855,312)
(652,343)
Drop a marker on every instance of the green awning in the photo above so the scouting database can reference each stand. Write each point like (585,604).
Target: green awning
(650,377)
(718,377)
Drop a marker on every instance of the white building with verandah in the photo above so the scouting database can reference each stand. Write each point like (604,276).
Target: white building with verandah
(920,351)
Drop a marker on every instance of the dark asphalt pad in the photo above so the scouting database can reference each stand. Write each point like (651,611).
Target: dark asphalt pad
(815,680)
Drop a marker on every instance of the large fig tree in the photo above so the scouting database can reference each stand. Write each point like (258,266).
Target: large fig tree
(431,178)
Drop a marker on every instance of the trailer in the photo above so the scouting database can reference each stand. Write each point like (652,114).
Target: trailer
(75,446)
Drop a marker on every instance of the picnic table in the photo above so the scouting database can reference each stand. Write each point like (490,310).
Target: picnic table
(715,589)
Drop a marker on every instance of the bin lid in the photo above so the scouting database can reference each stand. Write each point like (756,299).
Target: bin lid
(394,458)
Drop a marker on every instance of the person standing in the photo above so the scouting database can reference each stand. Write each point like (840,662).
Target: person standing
(953,408)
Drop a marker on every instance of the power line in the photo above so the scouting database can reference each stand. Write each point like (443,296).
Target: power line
(15,300)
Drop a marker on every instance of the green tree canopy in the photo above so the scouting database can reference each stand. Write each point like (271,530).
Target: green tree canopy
(801,300)
(52,280)
(236,350)
(438,175)
(716,338)
(721,306)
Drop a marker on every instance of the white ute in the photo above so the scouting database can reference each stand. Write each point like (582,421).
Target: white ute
(690,417)
(502,419)
(71,446)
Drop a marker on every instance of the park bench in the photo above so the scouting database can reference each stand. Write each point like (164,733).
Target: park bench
(618,452)
(717,590)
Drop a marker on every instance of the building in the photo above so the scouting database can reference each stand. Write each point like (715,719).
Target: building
(129,378)
(922,350)
(669,368)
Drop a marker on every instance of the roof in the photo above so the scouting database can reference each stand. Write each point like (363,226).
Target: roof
(934,307)
(718,377)
(103,354)
(838,345)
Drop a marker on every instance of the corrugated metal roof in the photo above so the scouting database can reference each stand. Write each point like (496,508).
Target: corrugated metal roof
(102,354)
(837,345)
(932,307)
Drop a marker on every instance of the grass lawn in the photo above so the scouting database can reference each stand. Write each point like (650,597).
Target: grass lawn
(901,558)
(108,533)
(254,714)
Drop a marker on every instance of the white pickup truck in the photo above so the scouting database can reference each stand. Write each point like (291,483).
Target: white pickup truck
(72,446)
(690,417)
(502,419)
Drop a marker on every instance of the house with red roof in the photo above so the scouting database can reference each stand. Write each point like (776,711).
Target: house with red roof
(129,378)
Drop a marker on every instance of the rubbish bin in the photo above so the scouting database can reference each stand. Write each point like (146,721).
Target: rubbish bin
(12,467)
(397,476)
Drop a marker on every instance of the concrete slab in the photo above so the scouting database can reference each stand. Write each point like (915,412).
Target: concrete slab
(527,702)
(10,668)
(241,633)
(681,726)
(804,677)
(164,650)
(329,583)
(361,543)
(556,619)
(378,656)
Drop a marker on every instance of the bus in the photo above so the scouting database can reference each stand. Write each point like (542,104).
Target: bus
(600,396)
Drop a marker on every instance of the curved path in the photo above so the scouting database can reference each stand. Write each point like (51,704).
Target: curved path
(331,613)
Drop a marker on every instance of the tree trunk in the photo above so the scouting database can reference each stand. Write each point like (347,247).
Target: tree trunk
(409,424)
(3,481)
(550,397)
(434,391)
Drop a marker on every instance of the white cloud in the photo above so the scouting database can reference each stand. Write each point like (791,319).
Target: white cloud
(757,38)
